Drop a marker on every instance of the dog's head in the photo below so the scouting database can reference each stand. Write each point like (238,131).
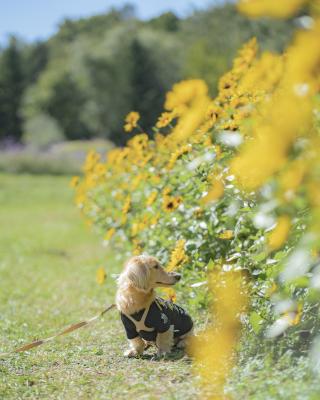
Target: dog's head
(145,273)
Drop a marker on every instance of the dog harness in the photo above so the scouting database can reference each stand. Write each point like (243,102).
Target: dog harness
(140,325)
(156,318)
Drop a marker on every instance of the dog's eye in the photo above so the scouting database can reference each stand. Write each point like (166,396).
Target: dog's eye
(156,266)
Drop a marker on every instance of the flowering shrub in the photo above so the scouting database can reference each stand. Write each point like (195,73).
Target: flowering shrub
(228,184)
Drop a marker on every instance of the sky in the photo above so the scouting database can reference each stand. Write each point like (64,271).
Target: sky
(38,19)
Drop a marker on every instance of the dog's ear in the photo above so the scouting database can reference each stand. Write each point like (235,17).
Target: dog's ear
(139,275)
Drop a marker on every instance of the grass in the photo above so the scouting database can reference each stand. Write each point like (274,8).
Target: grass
(48,260)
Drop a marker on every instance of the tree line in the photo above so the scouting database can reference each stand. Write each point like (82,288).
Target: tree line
(82,81)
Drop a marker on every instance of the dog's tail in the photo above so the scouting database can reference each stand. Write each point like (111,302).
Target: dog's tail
(67,330)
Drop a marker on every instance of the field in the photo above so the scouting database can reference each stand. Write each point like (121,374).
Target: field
(48,262)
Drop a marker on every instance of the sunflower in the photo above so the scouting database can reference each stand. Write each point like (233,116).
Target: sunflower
(178,256)
(151,199)
(225,235)
(131,121)
(101,275)
(164,119)
(109,234)
(171,203)
(126,205)
(74,181)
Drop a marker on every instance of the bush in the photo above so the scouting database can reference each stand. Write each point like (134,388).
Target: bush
(59,159)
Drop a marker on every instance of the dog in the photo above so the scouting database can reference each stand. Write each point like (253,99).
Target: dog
(147,318)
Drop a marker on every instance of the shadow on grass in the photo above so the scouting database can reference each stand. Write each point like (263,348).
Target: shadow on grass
(175,355)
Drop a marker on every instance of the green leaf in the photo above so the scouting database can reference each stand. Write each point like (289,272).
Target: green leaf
(210,265)
(259,257)
(255,321)
(302,281)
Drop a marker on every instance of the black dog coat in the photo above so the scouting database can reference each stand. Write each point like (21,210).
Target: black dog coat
(157,318)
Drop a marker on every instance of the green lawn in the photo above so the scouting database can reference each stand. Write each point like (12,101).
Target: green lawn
(48,261)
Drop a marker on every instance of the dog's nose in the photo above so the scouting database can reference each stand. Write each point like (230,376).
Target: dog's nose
(178,277)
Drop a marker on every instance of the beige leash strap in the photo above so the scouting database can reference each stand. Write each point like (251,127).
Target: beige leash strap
(70,329)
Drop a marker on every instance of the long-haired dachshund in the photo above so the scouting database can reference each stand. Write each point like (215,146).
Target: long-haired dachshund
(146,317)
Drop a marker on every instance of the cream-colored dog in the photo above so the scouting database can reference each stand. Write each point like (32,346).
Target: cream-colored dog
(146,317)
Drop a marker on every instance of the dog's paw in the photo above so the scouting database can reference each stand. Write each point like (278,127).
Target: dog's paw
(162,353)
(131,353)
(181,345)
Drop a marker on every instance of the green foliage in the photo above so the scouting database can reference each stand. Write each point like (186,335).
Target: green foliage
(146,86)
(42,131)
(167,22)
(65,105)
(12,82)
(36,57)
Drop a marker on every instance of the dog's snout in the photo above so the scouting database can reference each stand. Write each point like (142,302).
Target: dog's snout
(178,277)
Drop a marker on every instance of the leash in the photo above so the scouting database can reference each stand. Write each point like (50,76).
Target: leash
(67,330)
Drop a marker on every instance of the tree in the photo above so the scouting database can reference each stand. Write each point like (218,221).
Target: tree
(167,22)
(147,90)
(66,106)
(36,59)
(12,85)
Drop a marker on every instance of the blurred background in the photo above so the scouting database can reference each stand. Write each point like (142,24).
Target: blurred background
(71,71)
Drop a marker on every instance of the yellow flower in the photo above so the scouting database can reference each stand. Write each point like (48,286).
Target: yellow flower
(270,8)
(293,317)
(184,93)
(313,189)
(217,150)
(131,121)
(178,256)
(285,117)
(101,275)
(216,191)
(138,227)
(127,205)
(155,179)
(171,203)
(136,181)
(154,220)
(139,142)
(164,119)
(109,234)
(151,199)
(272,289)
(296,319)
(170,293)
(177,154)
(137,249)
(91,160)
(166,191)
(292,176)
(225,235)
(74,181)
(214,349)
(213,112)
(190,101)
(280,233)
